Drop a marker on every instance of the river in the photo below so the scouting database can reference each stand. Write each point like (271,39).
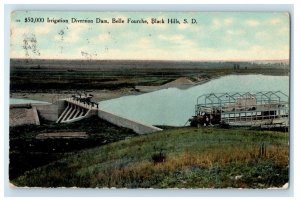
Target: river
(175,106)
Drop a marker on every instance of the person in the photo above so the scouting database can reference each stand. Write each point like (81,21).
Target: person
(211,119)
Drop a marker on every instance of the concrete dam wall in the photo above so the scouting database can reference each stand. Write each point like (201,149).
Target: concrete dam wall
(21,115)
(67,111)
(138,127)
(49,111)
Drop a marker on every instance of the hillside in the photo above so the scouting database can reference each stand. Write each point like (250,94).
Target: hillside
(194,158)
(29,146)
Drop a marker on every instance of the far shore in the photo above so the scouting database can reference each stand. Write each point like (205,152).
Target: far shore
(102,95)
(51,97)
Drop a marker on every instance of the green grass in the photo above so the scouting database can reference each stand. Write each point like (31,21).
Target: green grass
(195,158)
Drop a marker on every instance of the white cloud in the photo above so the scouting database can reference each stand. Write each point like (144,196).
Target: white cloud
(143,44)
(184,26)
(71,37)
(228,21)
(252,23)
(178,40)
(17,32)
(71,33)
(235,32)
(275,21)
(171,38)
(103,37)
(216,23)
(261,35)
(144,41)
(284,30)
(41,30)
(254,52)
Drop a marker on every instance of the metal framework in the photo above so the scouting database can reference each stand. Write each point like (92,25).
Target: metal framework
(244,109)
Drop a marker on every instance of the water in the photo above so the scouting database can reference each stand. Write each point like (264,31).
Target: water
(175,106)
(24,101)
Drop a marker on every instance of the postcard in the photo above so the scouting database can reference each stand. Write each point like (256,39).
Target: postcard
(149,100)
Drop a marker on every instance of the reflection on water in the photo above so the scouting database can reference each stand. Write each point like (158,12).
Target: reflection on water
(175,106)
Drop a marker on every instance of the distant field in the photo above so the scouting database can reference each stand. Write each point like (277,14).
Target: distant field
(44,75)
(194,158)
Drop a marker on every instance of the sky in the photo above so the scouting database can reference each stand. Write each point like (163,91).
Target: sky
(216,36)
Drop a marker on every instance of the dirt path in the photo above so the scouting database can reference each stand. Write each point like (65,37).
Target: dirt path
(181,83)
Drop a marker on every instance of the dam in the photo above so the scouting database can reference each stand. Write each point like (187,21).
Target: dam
(169,106)
(70,110)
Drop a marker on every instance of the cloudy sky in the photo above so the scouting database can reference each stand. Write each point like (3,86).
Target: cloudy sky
(216,36)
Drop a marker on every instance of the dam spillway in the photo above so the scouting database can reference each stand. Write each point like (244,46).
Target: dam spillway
(75,111)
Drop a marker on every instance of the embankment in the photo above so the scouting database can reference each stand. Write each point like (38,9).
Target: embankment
(138,127)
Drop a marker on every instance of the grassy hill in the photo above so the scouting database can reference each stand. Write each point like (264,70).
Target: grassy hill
(194,158)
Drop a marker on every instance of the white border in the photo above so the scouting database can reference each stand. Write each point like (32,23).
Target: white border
(141,193)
